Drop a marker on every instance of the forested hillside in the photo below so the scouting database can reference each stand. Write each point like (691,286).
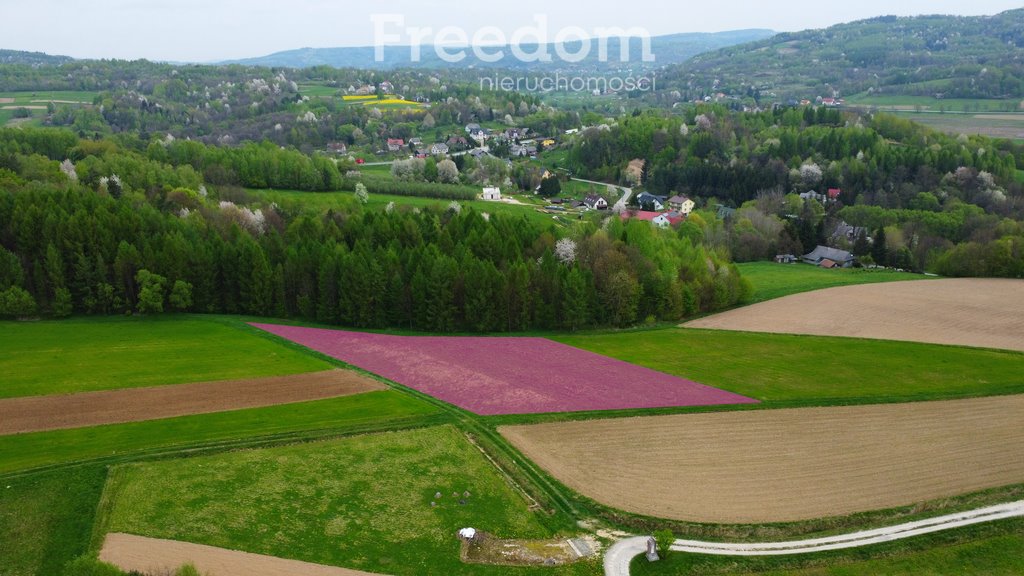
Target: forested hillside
(950,56)
(101,227)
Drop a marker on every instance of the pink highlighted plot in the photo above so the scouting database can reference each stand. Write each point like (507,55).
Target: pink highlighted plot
(491,376)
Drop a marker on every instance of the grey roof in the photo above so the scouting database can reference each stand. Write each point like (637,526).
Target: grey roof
(834,254)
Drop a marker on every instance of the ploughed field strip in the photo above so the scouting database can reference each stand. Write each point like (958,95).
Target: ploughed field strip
(39,413)
(156,556)
(784,465)
(986,313)
(491,376)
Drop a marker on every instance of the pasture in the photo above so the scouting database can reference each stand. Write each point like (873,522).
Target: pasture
(83,355)
(780,369)
(46,519)
(769,466)
(986,313)
(771,280)
(490,376)
(294,502)
(319,201)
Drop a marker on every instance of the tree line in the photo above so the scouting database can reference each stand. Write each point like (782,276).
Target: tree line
(155,237)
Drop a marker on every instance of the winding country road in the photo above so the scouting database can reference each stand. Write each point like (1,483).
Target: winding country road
(627,192)
(619,556)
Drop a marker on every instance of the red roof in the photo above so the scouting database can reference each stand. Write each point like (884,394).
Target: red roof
(396,141)
(641,215)
(834,193)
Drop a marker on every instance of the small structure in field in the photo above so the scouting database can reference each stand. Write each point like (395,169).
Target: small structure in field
(786,259)
(467,534)
(492,194)
(652,550)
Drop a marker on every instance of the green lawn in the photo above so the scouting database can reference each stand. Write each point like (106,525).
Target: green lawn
(80,355)
(930,103)
(995,549)
(46,519)
(40,98)
(371,411)
(325,200)
(813,370)
(773,280)
(362,502)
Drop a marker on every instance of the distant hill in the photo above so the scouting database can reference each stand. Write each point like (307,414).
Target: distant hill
(949,56)
(32,58)
(671,49)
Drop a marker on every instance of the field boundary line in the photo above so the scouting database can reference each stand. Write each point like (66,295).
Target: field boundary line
(534,505)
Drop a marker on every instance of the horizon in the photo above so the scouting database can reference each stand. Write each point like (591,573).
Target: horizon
(235,31)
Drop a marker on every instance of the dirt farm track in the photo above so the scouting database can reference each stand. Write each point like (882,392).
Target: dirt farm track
(38,413)
(987,313)
(154,556)
(784,465)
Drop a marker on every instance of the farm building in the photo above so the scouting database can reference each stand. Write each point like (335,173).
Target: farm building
(492,194)
(786,259)
(823,256)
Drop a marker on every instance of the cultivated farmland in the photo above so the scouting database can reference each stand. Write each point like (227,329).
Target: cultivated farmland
(784,465)
(492,376)
(968,312)
(38,413)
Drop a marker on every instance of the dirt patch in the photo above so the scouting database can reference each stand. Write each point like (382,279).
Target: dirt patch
(487,549)
(62,101)
(25,107)
(986,313)
(153,556)
(784,465)
(38,413)
(6,100)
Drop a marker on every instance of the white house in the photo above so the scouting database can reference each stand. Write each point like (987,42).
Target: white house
(439,149)
(681,204)
(595,202)
(492,194)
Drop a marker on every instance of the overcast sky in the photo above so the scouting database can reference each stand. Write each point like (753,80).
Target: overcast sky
(211,30)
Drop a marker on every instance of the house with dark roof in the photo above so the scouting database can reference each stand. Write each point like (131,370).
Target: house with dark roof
(829,257)
(595,202)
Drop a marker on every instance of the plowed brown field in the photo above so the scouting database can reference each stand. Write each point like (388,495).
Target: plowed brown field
(38,413)
(156,557)
(987,313)
(784,465)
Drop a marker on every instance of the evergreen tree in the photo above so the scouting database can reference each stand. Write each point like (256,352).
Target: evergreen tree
(879,250)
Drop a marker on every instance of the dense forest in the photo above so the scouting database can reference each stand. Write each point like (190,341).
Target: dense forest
(97,227)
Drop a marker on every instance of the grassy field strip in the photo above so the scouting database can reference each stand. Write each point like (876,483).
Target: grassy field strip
(773,280)
(83,355)
(368,412)
(818,370)
(620,556)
